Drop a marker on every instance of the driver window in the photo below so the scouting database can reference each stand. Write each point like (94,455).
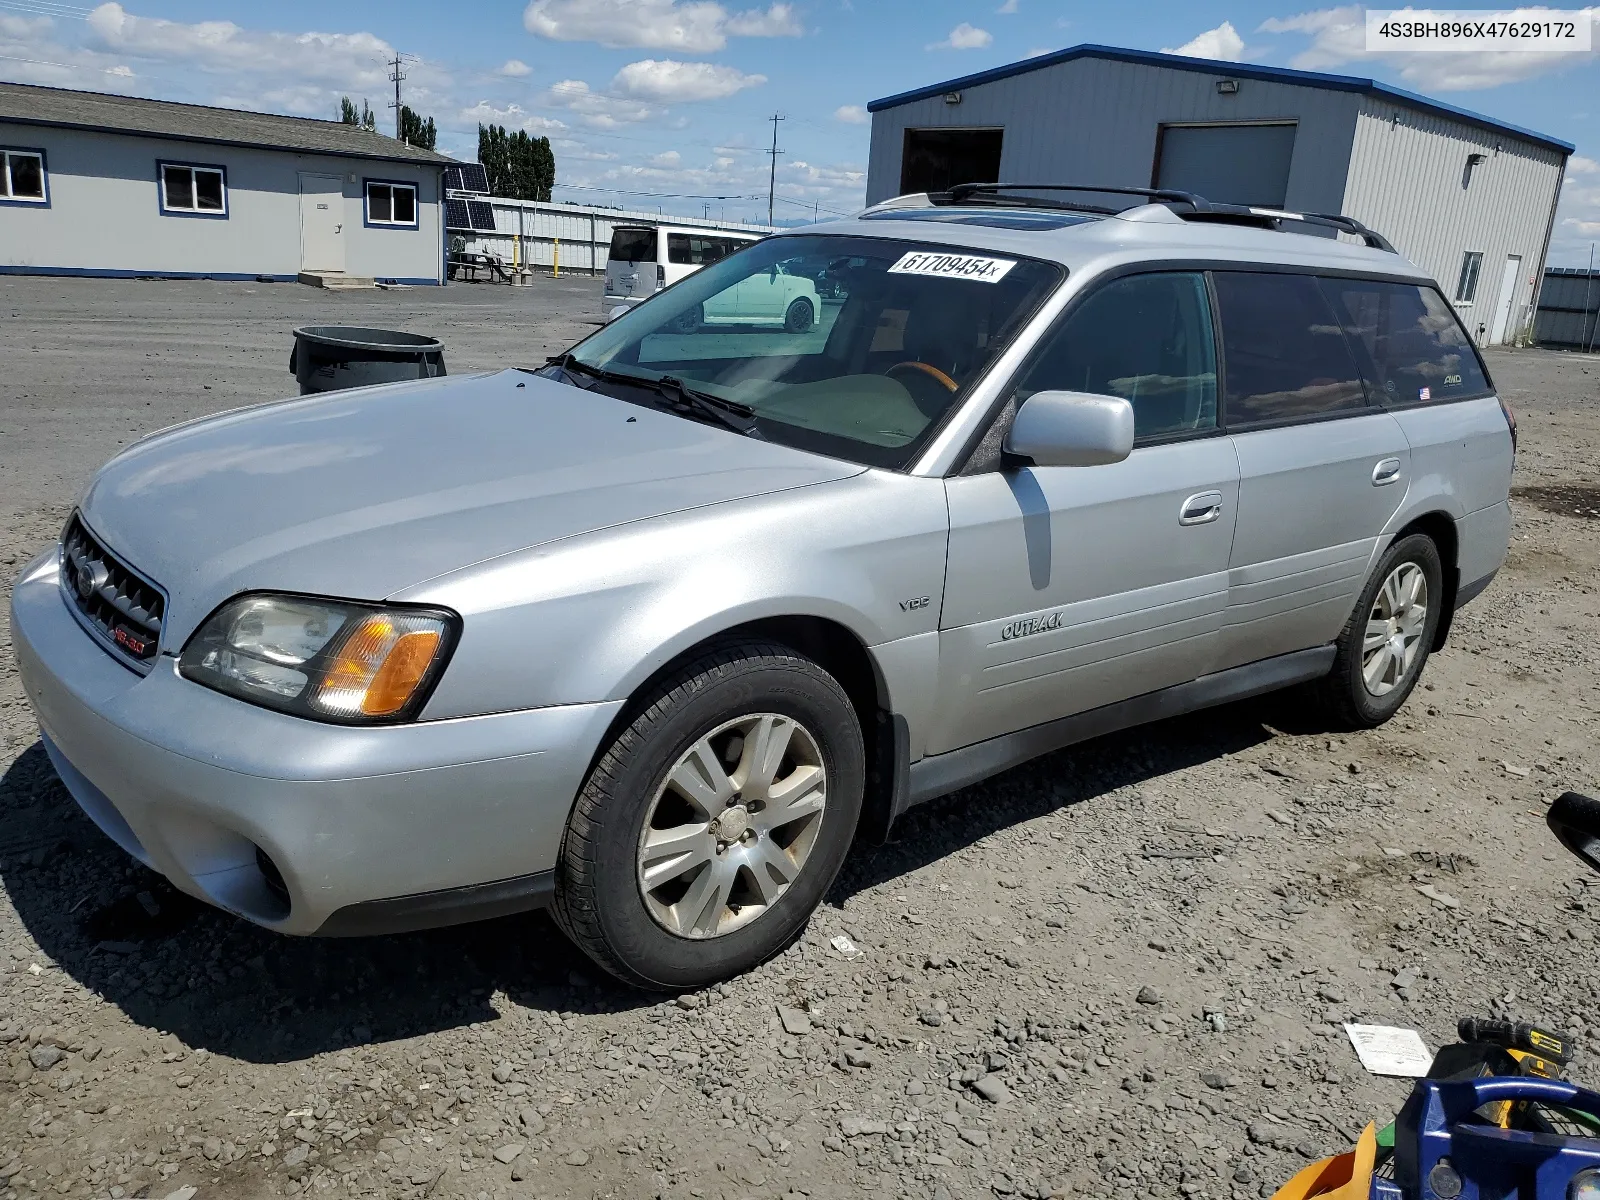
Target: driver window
(1146,338)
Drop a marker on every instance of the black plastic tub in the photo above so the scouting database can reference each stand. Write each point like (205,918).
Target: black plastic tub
(328,358)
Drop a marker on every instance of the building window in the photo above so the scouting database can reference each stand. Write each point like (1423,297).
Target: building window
(22,177)
(391,204)
(1467,285)
(191,190)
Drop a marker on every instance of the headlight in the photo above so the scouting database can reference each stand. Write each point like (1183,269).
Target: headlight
(331,660)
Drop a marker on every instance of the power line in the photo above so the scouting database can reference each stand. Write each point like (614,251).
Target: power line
(772,178)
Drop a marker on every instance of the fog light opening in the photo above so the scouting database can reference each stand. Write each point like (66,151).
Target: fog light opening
(273,879)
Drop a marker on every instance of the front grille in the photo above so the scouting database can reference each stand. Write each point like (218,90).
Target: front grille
(118,605)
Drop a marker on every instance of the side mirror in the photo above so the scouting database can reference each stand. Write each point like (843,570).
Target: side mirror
(1575,820)
(1071,429)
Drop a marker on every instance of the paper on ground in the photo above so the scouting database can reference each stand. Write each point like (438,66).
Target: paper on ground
(1386,1050)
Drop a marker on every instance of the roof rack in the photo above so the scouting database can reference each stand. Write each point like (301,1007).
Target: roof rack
(1185,204)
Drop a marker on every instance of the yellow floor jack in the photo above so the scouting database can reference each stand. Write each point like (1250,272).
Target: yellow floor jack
(1493,1119)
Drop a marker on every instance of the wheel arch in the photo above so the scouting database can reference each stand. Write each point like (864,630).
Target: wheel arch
(837,649)
(1440,528)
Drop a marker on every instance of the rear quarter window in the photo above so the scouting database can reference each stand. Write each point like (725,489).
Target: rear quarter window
(1414,348)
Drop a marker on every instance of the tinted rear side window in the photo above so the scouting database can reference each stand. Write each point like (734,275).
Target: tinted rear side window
(1417,351)
(1146,338)
(1284,352)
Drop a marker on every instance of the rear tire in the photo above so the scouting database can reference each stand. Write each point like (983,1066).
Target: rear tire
(662,918)
(1386,642)
(799,317)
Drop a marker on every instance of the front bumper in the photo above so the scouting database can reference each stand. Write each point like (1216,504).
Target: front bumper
(366,829)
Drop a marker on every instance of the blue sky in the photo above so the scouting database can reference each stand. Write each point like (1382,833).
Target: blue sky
(666,103)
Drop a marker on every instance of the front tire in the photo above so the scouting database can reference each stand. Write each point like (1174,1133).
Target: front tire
(714,823)
(799,317)
(1386,642)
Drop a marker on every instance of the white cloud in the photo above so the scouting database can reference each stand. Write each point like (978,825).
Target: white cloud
(1006,9)
(1577,214)
(667,158)
(598,110)
(669,81)
(1222,42)
(691,26)
(512,116)
(851,114)
(1338,37)
(964,37)
(515,68)
(1579,165)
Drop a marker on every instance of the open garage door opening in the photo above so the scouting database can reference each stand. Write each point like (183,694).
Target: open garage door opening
(935,159)
(1232,164)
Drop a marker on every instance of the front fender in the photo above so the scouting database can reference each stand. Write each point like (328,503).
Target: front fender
(595,616)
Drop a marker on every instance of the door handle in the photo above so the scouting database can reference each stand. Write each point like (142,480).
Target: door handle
(1200,509)
(1386,472)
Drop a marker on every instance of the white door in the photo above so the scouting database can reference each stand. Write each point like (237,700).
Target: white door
(321,222)
(1508,293)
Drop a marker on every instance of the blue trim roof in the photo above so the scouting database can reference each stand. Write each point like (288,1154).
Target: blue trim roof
(1231,70)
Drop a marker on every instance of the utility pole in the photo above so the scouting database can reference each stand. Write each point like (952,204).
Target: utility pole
(772,178)
(396,74)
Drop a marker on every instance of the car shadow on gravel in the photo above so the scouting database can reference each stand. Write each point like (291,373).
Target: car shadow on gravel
(176,965)
(1067,778)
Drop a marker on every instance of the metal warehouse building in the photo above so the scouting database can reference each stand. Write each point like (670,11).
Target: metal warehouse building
(93,184)
(1469,199)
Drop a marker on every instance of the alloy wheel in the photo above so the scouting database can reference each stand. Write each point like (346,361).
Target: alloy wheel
(732,825)
(1395,627)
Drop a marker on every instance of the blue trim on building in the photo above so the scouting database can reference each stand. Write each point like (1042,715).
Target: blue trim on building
(221,276)
(1229,70)
(161,190)
(44,170)
(416,204)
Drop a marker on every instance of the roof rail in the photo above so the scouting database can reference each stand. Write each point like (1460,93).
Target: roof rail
(1185,204)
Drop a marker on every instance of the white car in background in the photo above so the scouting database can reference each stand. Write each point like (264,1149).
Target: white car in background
(772,297)
(645,259)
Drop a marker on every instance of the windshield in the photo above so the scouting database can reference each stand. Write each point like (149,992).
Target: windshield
(852,347)
(633,245)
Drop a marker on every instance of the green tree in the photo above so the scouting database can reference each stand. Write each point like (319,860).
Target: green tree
(365,119)
(518,166)
(415,131)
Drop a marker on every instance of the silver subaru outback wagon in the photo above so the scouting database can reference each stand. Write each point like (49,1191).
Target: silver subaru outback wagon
(653,633)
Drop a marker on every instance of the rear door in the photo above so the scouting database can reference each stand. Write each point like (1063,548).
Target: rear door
(1072,587)
(1321,471)
(321,222)
(631,262)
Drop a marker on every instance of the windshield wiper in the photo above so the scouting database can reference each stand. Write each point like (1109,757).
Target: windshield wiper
(741,418)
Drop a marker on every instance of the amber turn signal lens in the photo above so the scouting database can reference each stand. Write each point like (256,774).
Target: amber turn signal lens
(378,666)
(402,670)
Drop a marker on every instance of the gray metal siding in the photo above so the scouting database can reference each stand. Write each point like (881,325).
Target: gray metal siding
(105,217)
(1405,180)
(1096,120)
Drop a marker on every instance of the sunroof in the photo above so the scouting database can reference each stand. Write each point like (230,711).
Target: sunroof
(994,218)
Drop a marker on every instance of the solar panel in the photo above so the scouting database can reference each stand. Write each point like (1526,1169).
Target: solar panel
(481,213)
(456,215)
(473,178)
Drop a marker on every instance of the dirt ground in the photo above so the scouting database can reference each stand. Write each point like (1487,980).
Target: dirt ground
(1119,971)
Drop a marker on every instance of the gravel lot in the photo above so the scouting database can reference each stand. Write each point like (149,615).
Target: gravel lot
(1116,972)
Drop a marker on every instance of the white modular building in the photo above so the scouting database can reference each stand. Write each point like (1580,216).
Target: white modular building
(103,185)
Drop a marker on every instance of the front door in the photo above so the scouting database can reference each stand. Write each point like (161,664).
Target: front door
(1072,587)
(321,222)
(1508,295)
(1320,471)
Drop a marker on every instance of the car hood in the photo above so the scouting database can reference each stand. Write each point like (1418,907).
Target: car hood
(366,492)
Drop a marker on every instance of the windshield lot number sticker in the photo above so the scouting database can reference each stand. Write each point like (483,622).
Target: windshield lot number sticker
(953,266)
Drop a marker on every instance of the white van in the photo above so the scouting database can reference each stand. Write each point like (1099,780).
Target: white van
(646,258)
